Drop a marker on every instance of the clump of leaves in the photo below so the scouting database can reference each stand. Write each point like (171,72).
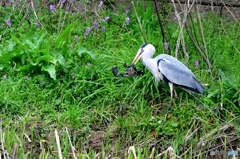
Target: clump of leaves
(37,52)
(228,92)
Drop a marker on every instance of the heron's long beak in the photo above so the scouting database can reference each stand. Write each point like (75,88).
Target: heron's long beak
(137,57)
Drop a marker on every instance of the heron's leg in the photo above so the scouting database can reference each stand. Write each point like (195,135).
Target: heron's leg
(175,92)
(171,89)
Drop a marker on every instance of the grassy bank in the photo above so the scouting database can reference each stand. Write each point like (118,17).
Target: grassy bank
(56,82)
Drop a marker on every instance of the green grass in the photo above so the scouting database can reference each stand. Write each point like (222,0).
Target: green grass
(49,81)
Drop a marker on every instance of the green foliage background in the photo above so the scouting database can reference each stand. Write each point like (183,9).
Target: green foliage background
(54,76)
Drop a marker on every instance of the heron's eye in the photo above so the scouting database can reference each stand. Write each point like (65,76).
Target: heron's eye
(143,45)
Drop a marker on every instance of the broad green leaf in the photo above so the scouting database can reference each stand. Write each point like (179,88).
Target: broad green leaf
(40,37)
(174,124)
(23,68)
(11,45)
(61,59)
(62,36)
(51,70)
(30,44)
(16,40)
(47,58)
(81,50)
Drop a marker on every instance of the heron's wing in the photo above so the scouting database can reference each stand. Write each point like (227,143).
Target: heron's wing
(177,73)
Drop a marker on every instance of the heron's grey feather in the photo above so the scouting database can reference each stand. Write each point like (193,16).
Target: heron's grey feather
(177,73)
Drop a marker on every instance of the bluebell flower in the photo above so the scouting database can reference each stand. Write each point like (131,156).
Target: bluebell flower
(8,22)
(37,24)
(103,28)
(95,24)
(107,18)
(196,63)
(127,11)
(165,45)
(52,8)
(88,30)
(100,4)
(127,21)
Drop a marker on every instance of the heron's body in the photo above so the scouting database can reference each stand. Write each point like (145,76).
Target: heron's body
(169,69)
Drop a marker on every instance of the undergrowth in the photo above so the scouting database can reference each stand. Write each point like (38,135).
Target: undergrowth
(56,83)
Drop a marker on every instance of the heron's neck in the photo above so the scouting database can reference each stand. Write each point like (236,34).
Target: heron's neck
(151,65)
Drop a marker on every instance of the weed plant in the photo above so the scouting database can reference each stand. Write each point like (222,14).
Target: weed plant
(55,69)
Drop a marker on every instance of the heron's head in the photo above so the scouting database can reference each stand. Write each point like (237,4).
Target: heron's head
(146,50)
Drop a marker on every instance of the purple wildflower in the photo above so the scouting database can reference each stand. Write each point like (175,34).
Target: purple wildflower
(100,4)
(37,24)
(95,24)
(127,21)
(103,28)
(196,63)
(61,2)
(127,11)
(8,22)
(52,8)
(88,30)
(27,77)
(107,18)
(200,106)
(165,45)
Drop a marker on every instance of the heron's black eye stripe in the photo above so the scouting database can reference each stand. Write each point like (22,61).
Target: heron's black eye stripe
(143,45)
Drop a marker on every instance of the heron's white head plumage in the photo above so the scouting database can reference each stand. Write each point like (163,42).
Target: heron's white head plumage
(146,50)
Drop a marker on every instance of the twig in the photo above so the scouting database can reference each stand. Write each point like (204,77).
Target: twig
(35,14)
(230,12)
(195,42)
(58,145)
(160,22)
(208,3)
(152,153)
(204,42)
(217,147)
(171,153)
(202,34)
(28,138)
(140,25)
(181,24)
(2,141)
(185,152)
(203,139)
(132,148)
(73,149)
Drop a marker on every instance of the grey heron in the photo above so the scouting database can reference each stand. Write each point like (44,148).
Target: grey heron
(169,69)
